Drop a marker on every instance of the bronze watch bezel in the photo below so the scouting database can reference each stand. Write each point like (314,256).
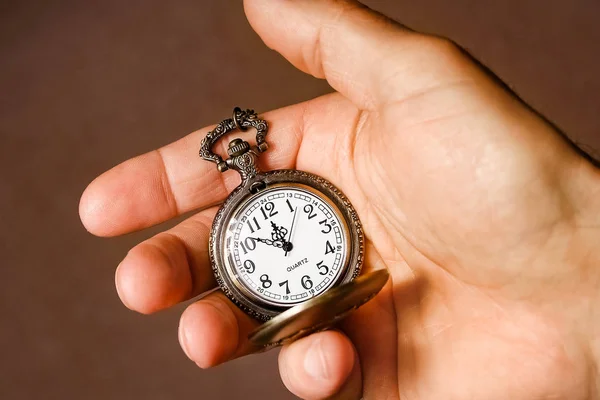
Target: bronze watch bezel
(251,304)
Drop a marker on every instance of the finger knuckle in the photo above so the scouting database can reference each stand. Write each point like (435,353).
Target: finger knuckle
(444,48)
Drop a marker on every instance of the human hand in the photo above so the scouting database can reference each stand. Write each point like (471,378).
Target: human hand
(485,216)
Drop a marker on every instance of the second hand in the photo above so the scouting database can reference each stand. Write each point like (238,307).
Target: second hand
(291,231)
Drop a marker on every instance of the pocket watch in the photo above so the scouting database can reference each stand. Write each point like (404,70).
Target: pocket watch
(286,246)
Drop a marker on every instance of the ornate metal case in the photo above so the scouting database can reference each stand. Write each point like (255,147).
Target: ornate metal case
(243,159)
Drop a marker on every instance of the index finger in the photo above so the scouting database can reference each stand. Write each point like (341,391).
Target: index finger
(164,183)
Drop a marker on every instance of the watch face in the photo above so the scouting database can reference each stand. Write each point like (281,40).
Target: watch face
(285,245)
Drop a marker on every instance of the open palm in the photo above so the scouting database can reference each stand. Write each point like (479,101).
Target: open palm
(469,199)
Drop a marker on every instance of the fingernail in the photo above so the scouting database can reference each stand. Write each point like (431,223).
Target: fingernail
(315,361)
(118,286)
(183,339)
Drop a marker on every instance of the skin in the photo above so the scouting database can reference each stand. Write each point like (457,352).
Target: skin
(486,217)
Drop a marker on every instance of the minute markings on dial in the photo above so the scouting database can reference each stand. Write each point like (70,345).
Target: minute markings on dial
(258,256)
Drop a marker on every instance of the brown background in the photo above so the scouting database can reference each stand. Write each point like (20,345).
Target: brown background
(87,84)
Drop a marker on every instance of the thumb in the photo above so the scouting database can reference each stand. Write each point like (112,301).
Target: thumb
(322,365)
(363,55)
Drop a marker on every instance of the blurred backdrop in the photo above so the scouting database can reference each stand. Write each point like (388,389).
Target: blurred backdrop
(85,85)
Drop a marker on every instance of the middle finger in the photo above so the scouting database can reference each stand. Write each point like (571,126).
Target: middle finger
(160,185)
(168,268)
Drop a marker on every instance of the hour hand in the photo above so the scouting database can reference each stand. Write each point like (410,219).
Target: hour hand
(278,233)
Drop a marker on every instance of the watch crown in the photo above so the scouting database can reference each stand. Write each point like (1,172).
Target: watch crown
(237,147)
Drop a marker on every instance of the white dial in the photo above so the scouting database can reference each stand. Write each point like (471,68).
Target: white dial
(286,245)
